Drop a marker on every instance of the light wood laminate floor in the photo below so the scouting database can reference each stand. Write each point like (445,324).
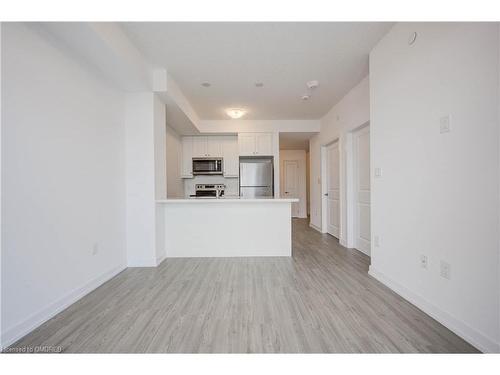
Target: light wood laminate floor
(321,300)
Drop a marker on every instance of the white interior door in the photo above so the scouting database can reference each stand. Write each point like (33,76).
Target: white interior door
(333,189)
(361,142)
(291,183)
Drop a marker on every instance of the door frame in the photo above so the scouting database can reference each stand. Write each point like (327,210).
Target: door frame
(298,186)
(324,188)
(351,186)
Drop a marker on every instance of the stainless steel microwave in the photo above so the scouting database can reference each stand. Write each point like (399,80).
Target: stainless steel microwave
(207,166)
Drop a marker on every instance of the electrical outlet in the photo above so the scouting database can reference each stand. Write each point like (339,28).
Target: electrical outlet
(445,270)
(423,261)
(378,172)
(445,124)
(95,249)
(376,241)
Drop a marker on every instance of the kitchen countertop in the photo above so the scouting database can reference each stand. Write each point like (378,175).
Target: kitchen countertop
(228,199)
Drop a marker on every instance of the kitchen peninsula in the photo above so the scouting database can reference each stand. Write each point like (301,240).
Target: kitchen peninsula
(226,227)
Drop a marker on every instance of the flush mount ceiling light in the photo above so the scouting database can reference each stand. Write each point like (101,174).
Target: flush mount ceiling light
(305,97)
(206,84)
(235,113)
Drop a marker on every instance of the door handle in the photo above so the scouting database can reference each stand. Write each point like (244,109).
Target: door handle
(286,192)
(326,194)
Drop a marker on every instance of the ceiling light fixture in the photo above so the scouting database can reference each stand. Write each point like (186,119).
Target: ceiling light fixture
(206,84)
(235,113)
(305,97)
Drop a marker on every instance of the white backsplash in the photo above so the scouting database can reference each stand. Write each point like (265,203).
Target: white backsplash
(232,184)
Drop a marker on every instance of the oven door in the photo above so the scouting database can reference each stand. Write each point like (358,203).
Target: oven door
(206,194)
(207,166)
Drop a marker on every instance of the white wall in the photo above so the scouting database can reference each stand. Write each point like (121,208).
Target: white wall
(160,147)
(139,120)
(63,174)
(175,187)
(146,177)
(300,157)
(438,194)
(349,114)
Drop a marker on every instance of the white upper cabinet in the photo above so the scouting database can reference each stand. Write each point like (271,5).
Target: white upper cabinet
(204,147)
(228,147)
(187,157)
(214,146)
(231,157)
(210,146)
(246,144)
(199,147)
(255,144)
(264,144)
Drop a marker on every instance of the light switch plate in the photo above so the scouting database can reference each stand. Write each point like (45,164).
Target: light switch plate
(376,241)
(423,261)
(445,124)
(378,172)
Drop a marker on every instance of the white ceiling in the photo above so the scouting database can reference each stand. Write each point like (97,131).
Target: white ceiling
(284,56)
(295,141)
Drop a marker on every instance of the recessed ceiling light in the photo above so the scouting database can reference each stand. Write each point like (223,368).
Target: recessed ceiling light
(235,113)
(305,97)
(259,84)
(206,84)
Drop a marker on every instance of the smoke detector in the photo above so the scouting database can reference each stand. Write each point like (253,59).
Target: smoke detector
(311,85)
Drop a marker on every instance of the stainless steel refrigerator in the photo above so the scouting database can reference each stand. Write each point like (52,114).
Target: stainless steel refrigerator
(256,177)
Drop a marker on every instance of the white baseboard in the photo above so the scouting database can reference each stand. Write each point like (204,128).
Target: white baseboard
(315,227)
(469,334)
(160,259)
(11,335)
